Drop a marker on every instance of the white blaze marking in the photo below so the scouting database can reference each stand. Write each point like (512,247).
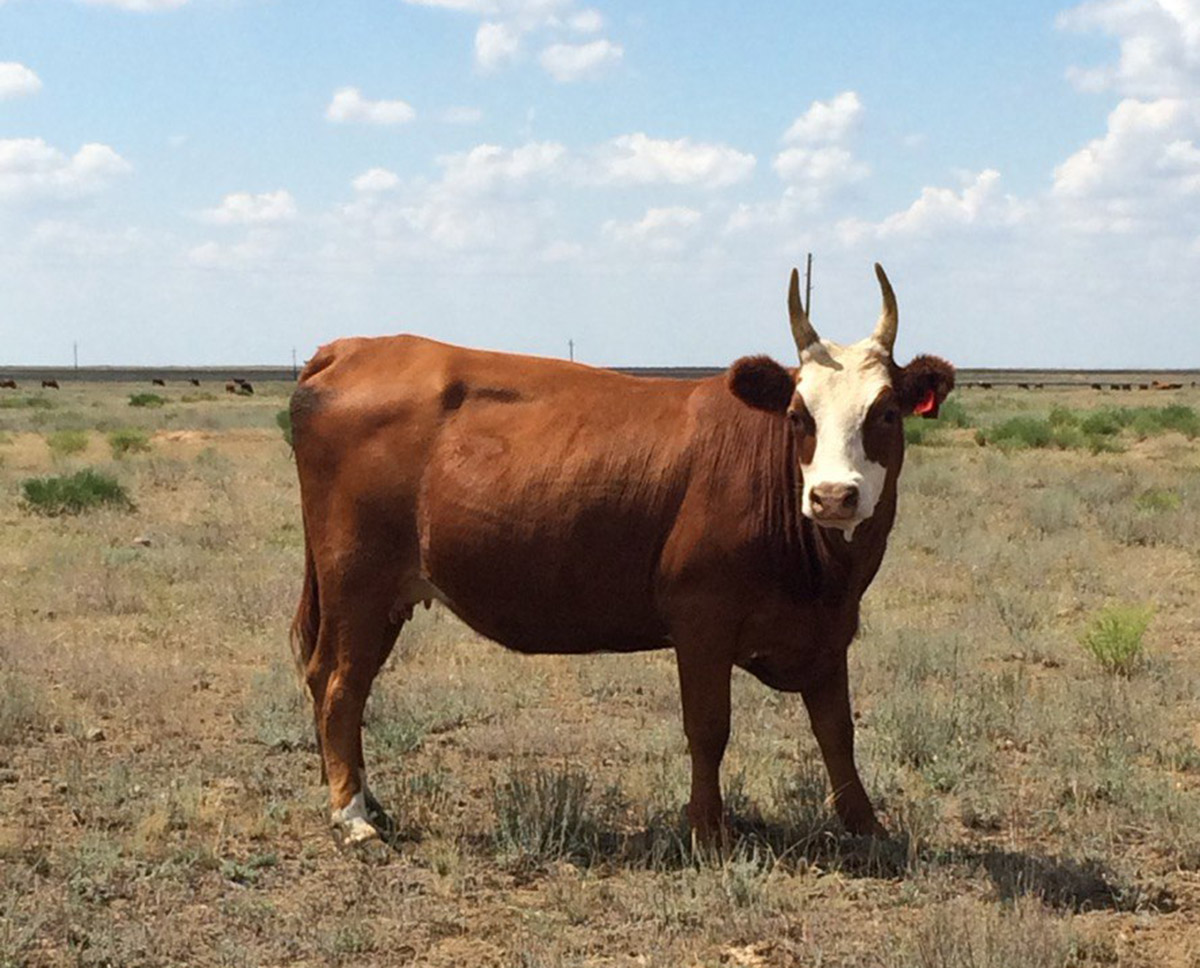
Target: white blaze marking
(838,384)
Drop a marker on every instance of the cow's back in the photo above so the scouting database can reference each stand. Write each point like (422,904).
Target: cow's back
(534,495)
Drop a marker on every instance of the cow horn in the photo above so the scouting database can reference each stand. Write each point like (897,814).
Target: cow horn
(889,317)
(802,329)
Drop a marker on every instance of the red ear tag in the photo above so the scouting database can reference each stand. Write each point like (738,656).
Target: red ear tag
(927,408)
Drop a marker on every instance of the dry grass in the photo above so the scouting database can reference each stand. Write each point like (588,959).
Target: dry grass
(159,801)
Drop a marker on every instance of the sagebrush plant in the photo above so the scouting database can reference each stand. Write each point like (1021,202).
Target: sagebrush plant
(1114,637)
(64,443)
(544,815)
(146,400)
(128,441)
(74,493)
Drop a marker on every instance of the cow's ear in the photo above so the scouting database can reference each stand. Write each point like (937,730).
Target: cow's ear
(760,382)
(924,384)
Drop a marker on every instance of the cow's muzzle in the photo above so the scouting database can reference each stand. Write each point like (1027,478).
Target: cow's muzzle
(834,503)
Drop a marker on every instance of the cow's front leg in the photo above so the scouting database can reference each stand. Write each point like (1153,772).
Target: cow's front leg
(704,688)
(828,704)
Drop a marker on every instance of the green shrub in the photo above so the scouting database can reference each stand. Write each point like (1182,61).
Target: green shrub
(73,493)
(146,400)
(26,403)
(1156,500)
(283,419)
(1114,637)
(1106,423)
(544,815)
(128,441)
(1021,432)
(1062,417)
(63,443)
(953,414)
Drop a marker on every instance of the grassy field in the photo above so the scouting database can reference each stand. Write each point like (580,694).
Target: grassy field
(1027,685)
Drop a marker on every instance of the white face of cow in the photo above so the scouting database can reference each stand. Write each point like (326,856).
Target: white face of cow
(847,416)
(840,391)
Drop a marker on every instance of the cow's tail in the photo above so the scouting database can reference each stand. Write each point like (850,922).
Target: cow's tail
(307,622)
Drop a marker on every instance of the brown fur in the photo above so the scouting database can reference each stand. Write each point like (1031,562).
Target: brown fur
(560,508)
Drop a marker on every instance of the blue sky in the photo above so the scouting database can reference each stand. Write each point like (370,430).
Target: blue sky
(219,181)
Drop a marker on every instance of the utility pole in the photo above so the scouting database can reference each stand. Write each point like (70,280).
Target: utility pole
(75,347)
(293,363)
(808,287)
(571,349)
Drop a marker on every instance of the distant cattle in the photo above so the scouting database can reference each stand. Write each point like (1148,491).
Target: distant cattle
(244,386)
(158,383)
(1159,385)
(1097,386)
(194,382)
(238,385)
(985,386)
(556,508)
(8,384)
(1024,386)
(231,387)
(50,385)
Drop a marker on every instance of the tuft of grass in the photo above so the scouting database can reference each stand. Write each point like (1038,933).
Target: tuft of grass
(21,705)
(283,420)
(544,815)
(964,935)
(64,443)
(74,493)
(128,441)
(1114,637)
(146,400)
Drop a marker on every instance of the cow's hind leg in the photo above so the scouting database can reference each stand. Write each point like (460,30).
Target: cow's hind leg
(357,633)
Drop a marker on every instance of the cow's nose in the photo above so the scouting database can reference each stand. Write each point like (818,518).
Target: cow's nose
(834,500)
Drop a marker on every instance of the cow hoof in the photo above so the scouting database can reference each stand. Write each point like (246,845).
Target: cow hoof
(356,836)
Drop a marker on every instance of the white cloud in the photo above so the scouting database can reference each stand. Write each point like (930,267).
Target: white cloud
(978,204)
(17,80)
(826,121)
(488,167)
(573,62)
(636,159)
(496,44)
(243,208)
(1159,46)
(586,22)
(820,169)
(505,25)
(258,246)
(30,169)
(139,6)
(660,229)
(348,105)
(1138,145)
(376,180)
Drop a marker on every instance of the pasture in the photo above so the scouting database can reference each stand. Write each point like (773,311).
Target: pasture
(1026,684)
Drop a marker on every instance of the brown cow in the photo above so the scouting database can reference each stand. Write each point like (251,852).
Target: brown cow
(194,382)
(49,384)
(8,384)
(158,383)
(231,387)
(557,508)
